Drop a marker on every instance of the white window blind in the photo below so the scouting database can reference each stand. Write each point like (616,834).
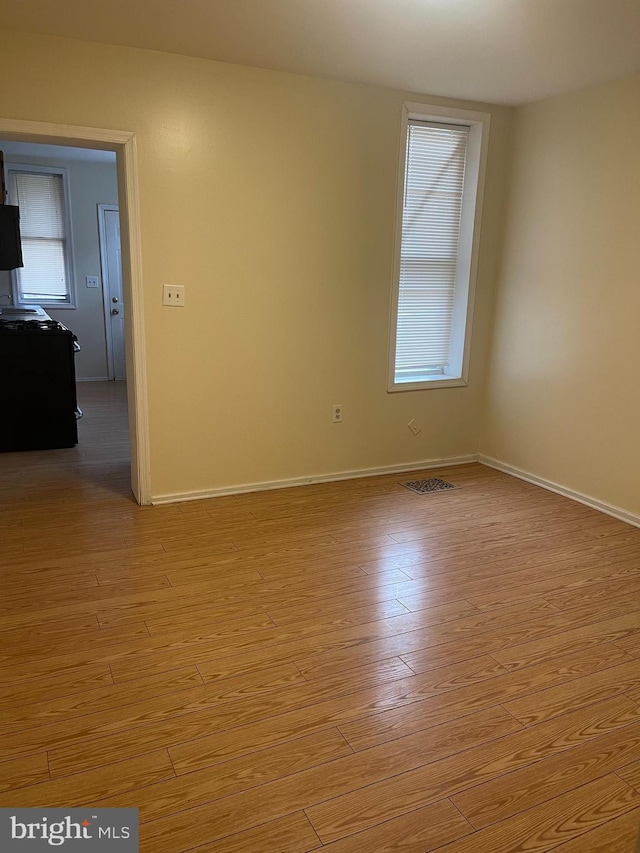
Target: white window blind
(433,191)
(40,197)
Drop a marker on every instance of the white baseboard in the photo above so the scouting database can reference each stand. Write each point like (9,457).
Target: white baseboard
(92,378)
(320,478)
(588,500)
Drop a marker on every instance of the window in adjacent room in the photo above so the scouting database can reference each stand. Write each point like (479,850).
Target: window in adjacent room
(439,209)
(42,195)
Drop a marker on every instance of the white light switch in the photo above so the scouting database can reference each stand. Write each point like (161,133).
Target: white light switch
(92,281)
(173,295)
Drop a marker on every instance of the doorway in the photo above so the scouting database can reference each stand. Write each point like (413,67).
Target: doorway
(132,326)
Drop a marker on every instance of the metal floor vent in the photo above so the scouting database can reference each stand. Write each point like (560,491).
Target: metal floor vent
(423,487)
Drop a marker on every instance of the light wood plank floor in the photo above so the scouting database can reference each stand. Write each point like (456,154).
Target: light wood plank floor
(345,666)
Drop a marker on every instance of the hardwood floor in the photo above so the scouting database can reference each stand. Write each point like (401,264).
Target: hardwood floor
(346,666)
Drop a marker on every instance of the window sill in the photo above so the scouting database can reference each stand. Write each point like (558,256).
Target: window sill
(426,384)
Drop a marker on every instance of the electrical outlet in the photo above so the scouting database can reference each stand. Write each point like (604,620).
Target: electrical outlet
(337,414)
(173,295)
(414,427)
(92,281)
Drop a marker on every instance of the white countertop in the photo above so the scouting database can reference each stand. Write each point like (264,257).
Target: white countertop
(23,312)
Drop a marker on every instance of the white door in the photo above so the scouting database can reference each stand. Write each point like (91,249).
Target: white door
(111,262)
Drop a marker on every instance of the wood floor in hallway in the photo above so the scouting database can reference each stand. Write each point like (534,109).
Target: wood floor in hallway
(350,667)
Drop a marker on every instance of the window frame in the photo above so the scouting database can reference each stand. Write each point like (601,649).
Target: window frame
(35,169)
(468,246)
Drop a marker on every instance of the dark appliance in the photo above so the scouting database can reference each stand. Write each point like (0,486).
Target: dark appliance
(10,244)
(38,393)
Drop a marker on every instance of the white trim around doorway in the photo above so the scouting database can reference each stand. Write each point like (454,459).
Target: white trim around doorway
(124,144)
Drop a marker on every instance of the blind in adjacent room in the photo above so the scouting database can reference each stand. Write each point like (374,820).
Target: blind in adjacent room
(44,277)
(433,189)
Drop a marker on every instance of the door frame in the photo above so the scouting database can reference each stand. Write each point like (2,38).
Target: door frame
(124,144)
(105,295)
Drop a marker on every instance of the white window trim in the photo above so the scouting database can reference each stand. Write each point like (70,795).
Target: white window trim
(63,172)
(477,148)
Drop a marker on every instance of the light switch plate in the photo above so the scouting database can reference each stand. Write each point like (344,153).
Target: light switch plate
(173,295)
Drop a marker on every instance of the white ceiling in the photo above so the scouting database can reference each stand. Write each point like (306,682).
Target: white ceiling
(503,51)
(59,152)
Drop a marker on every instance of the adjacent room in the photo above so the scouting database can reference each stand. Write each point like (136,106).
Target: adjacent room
(328,538)
(70,230)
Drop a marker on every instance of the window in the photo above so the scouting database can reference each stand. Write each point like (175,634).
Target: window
(439,210)
(41,194)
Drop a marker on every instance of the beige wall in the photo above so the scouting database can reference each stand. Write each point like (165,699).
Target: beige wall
(564,397)
(90,184)
(271,198)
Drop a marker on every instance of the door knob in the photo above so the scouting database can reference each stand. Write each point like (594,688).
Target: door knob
(114,311)
(114,299)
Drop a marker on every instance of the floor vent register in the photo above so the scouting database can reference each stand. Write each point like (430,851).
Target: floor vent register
(428,487)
